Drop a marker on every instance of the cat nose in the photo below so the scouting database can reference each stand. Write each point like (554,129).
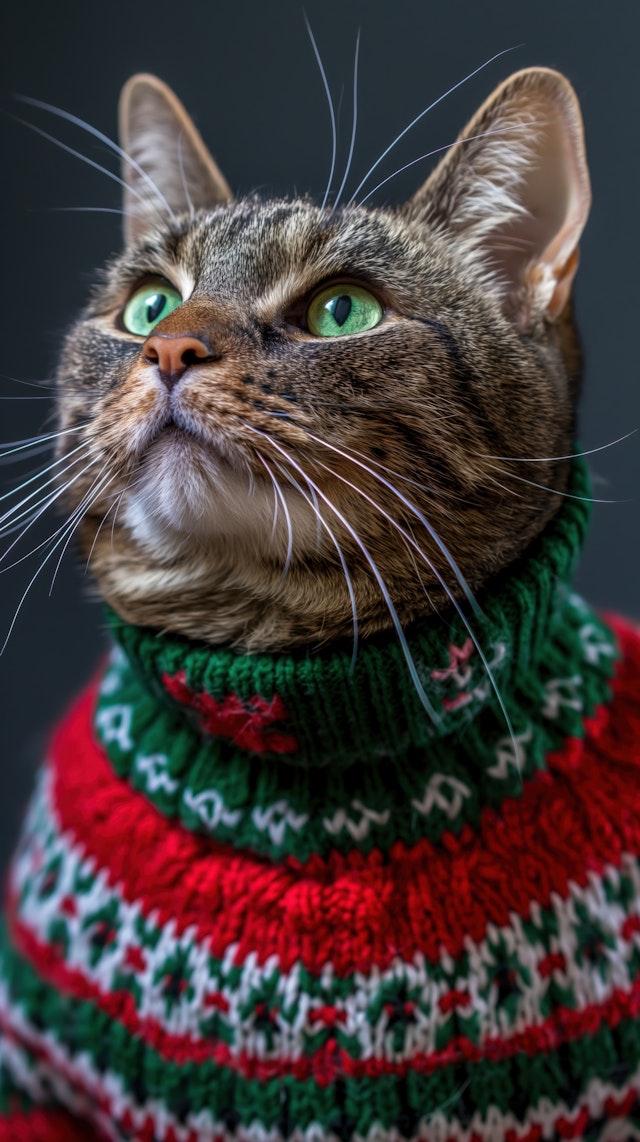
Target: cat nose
(174,354)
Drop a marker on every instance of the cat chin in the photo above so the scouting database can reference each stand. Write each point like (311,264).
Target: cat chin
(187,498)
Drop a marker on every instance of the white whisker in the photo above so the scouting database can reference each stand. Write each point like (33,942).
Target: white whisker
(280,494)
(27,398)
(84,126)
(312,499)
(116,499)
(571,456)
(33,579)
(40,509)
(355,121)
(37,449)
(53,386)
(334,135)
(414,511)
(433,491)
(503,487)
(424,699)
(39,473)
(89,500)
(438,151)
(146,202)
(36,492)
(553,491)
(115,514)
(275,509)
(421,116)
(31,441)
(85,210)
(463,618)
(129,487)
(183,177)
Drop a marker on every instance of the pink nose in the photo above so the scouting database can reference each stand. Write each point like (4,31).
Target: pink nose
(174,354)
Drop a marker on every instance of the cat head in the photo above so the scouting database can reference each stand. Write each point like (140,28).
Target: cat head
(285,414)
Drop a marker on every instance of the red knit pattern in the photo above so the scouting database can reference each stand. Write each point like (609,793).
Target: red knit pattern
(362,911)
(329,1062)
(251,724)
(567,1126)
(73,1129)
(45,1126)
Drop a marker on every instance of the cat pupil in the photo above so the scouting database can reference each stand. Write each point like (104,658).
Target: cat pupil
(155,305)
(341,308)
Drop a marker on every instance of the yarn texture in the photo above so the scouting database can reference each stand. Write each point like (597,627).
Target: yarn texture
(298,897)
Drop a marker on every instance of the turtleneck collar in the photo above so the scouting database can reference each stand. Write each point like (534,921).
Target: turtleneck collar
(258,749)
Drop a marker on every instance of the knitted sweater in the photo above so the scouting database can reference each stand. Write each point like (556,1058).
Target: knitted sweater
(285,897)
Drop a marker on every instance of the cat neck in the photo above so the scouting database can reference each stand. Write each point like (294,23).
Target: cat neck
(268,750)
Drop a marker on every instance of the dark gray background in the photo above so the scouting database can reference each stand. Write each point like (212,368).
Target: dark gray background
(247,73)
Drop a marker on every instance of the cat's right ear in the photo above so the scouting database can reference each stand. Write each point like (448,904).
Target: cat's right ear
(168,167)
(513,192)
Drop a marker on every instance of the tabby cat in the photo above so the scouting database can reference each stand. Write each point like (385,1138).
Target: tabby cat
(342,843)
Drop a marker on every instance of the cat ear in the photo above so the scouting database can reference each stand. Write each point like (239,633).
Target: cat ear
(166,152)
(514,190)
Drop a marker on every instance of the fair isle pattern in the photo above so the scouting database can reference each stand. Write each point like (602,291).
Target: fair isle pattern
(473,880)
(174,990)
(221,928)
(553,1064)
(236,796)
(609,1110)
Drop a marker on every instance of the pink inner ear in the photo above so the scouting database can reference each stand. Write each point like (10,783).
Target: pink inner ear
(536,252)
(564,282)
(514,192)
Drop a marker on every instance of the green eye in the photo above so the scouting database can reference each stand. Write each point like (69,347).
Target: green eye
(148,306)
(342,309)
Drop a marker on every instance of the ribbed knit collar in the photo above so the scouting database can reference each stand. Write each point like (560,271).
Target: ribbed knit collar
(315,733)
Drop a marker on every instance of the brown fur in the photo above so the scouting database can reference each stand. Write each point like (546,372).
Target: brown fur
(476,358)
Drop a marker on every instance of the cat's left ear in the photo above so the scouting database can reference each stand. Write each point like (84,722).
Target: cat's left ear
(166,152)
(514,193)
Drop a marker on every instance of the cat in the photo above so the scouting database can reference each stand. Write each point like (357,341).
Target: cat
(341,843)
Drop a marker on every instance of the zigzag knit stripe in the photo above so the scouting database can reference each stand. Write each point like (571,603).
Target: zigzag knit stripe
(558,829)
(65,1112)
(332,1060)
(38,1105)
(604,1113)
(103,1059)
(168,989)
(253,801)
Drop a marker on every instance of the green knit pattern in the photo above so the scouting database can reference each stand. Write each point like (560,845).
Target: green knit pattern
(422,920)
(261,802)
(558,1076)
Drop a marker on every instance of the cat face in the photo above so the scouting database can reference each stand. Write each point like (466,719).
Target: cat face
(290,414)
